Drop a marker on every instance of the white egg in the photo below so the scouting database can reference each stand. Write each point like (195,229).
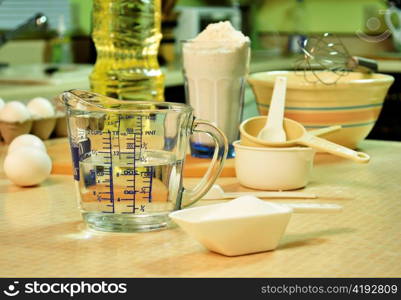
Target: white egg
(14,111)
(41,108)
(1,103)
(27,166)
(26,140)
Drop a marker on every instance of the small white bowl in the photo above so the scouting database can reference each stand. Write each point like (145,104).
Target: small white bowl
(256,230)
(268,168)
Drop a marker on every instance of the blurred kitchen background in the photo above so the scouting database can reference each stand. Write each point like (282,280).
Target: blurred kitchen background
(45,60)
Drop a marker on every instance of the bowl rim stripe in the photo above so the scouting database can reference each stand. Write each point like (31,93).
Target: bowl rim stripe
(342,125)
(327,108)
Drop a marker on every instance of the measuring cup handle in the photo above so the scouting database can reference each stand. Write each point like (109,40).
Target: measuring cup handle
(333,148)
(189,197)
(324,130)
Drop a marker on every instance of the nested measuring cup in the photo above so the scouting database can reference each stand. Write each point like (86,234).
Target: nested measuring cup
(128,159)
(296,135)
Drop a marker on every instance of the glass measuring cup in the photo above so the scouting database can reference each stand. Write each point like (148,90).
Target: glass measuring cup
(128,158)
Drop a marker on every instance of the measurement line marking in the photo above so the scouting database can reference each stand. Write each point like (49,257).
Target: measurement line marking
(118,136)
(110,173)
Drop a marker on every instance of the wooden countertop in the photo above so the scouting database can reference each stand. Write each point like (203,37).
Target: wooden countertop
(41,232)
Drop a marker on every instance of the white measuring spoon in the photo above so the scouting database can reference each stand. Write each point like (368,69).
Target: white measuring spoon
(273,130)
(216,192)
(310,208)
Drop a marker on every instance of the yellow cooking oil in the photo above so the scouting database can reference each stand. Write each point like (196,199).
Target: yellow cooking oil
(127,34)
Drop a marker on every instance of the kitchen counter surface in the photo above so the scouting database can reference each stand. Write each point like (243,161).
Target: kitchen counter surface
(26,81)
(22,82)
(41,232)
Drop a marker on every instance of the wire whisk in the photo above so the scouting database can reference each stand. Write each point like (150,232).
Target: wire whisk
(328,53)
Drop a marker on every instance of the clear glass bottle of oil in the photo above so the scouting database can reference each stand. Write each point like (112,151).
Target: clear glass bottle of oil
(127,36)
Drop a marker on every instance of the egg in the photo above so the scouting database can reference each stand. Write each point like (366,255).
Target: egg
(14,111)
(41,108)
(27,166)
(26,140)
(1,103)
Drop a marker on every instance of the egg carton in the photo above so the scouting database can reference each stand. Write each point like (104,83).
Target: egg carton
(43,128)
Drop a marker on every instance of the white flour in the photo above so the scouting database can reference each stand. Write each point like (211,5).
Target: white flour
(215,65)
(244,206)
(221,35)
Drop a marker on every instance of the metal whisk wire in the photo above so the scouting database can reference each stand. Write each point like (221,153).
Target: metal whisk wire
(328,53)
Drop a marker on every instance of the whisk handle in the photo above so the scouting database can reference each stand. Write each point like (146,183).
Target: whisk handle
(365,64)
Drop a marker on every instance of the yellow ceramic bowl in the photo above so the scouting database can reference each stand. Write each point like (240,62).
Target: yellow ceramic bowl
(354,101)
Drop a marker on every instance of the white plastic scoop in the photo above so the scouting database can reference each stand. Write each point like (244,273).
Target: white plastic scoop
(273,130)
(216,192)
(241,226)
